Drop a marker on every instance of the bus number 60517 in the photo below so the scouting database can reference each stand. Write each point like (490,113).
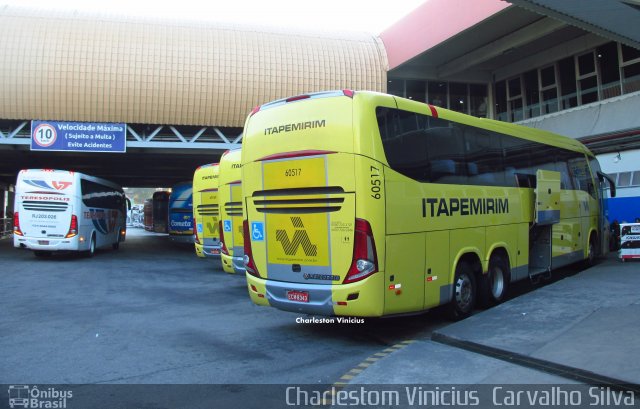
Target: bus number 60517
(375,182)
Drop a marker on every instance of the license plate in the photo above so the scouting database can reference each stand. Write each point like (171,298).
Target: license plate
(43,242)
(298,296)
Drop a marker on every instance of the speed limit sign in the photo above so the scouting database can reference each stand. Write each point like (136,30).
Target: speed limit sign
(44,135)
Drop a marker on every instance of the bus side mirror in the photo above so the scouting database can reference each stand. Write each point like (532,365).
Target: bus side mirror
(612,185)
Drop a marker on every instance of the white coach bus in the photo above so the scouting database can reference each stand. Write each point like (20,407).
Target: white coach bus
(59,210)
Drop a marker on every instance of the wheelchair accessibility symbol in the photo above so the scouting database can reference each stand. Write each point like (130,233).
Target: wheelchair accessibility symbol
(226,225)
(257,231)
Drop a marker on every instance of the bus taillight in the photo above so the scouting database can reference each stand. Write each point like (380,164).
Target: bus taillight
(365,259)
(195,231)
(297,98)
(16,225)
(249,264)
(73,227)
(348,93)
(255,110)
(223,247)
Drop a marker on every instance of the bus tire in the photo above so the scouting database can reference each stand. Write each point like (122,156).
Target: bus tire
(42,253)
(92,246)
(495,284)
(591,259)
(464,292)
(116,245)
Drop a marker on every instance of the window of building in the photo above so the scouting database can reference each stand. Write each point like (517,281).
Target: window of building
(514,97)
(395,87)
(501,100)
(624,179)
(567,73)
(459,97)
(635,179)
(531,94)
(462,97)
(604,72)
(587,78)
(548,90)
(438,91)
(478,100)
(416,90)
(630,68)
(609,68)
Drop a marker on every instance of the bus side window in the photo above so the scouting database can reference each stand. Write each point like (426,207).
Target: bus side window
(446,154)
(565,179)
(579,169)
(526,180)
(485,165)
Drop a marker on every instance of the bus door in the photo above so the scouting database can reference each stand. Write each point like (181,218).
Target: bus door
(546,214)
(604,228)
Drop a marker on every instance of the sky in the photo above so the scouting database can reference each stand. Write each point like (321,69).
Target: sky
(340,15)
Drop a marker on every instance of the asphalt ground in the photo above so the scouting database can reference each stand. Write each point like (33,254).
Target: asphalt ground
(154,314)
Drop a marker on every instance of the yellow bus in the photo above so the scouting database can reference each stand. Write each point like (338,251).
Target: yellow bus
(366,204)
(206,213)
(230,197)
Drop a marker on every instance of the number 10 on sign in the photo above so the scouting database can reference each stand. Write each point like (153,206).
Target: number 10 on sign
(44,135)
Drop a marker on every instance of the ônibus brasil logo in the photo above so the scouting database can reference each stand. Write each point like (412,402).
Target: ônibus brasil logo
(54,185)
(25,396)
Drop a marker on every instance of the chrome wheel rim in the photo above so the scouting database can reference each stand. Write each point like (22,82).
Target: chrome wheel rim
(464,292)
(497,282)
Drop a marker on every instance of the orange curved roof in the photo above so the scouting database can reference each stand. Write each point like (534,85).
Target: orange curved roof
(80,66)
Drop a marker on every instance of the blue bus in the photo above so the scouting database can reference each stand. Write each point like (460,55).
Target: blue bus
(181,213)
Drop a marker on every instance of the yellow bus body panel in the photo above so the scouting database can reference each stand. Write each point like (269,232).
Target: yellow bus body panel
(230,200)
(205,210)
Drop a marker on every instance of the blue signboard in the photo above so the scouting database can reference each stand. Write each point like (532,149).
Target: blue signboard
(78,136)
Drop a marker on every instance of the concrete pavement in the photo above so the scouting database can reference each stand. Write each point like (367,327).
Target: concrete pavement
(582,329)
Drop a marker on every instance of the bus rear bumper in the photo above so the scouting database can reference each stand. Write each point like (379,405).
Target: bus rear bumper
(361,299)
(203,250)
(47,244)
(232,264)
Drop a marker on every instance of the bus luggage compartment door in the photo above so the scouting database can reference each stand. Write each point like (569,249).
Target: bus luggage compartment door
(547,197)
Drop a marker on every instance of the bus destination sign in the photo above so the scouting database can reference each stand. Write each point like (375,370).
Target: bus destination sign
(78,136)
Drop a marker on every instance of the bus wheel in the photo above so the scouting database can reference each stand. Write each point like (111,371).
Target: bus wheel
(116,245)
(494,284)
(92,246)
(591,252)
(464,292)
